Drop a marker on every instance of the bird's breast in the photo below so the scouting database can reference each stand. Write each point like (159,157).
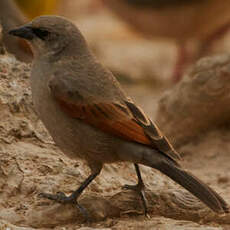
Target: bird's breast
(74,137)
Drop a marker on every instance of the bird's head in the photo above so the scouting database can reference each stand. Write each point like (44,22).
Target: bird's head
(51,35)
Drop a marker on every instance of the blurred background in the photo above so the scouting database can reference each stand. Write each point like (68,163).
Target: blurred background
(152,47)
(153,41)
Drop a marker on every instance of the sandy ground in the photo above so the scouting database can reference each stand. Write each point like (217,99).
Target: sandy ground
(31,163)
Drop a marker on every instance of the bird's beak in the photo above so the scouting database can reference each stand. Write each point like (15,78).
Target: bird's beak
(25,32)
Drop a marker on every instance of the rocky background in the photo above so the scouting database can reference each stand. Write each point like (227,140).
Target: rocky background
(193,113)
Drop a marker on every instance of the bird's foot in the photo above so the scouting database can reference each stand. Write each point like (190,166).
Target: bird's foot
(60,197)
(139,188)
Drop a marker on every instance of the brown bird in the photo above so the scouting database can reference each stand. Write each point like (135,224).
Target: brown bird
(182,21)
(10,17)
(89,116)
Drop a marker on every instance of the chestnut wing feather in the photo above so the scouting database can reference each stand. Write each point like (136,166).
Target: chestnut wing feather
(124,120)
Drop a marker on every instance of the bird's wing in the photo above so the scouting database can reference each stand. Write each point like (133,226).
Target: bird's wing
(122,119)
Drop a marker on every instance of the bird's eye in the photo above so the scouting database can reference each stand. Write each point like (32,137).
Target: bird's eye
(41,33)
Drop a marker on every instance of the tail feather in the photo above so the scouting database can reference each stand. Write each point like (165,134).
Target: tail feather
(193,185)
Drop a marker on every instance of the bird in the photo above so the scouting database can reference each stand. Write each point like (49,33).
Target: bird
(90,117)
(181,21)
(10,17)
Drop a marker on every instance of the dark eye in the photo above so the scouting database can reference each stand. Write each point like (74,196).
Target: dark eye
(41,33)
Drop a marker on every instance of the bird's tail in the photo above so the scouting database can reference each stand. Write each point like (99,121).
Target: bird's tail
(191,183)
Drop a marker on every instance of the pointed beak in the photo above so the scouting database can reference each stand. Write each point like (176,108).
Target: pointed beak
(25,32)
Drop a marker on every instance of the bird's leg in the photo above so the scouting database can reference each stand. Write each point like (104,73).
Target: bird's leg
(181,62)
(139,188)
(62,198)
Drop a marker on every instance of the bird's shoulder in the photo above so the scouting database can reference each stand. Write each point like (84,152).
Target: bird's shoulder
(85,79)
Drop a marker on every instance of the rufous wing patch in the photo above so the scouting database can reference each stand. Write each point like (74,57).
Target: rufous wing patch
(108,118)
(124,120)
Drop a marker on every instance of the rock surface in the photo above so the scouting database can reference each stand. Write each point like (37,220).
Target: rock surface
(200,102)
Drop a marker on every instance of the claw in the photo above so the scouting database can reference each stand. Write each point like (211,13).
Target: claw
(84,212)
(60,197)
(139,188)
